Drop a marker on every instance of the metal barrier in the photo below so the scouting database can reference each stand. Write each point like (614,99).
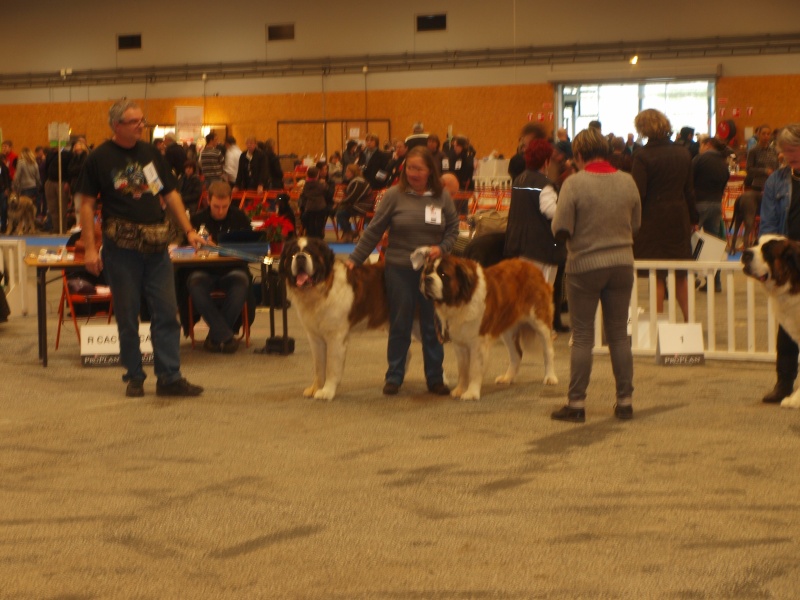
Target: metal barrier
(15,279)
(747,309)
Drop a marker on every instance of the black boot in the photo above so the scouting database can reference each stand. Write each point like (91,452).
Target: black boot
(781,390)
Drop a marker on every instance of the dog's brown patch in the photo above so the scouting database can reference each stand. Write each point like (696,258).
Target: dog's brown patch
(783,256)
(369,295)
(513,288)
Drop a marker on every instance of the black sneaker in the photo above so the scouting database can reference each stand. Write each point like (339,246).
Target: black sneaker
(567,413)
(135,388)
(231,346)
(781,390)
(440,389)
(390,389)
(210,346)
(178,388)
(623,412)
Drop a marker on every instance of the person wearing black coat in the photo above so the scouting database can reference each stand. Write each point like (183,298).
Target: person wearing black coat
(373,162)
(250,175)
(273,173)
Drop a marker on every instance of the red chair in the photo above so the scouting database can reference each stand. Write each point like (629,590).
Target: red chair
(485,200)
(73,299)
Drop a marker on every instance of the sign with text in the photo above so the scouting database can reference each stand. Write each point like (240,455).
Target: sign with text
(680,344)
(189,123)
(100,345)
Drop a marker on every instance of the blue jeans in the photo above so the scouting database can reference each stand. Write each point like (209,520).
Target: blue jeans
(612,288)
(131,276)
(402,288)
(221,320)
(343,220)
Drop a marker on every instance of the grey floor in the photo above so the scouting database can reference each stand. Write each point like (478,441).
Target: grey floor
(252,491)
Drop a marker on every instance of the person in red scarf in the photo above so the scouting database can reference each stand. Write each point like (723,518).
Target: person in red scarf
(598,214)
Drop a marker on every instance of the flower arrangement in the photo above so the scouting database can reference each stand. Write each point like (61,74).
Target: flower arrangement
(276,227)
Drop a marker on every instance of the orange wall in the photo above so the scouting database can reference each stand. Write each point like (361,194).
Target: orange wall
(490,116)
(774,101)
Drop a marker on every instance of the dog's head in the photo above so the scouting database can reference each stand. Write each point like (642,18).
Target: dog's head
(775,262)
(449,280)
(306,262)
(13,202)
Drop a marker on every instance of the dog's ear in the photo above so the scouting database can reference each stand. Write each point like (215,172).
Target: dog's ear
(466,277)
(327,258)
(791,260)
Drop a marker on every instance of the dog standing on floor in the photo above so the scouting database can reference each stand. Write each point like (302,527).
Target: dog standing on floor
(331,300)
(745,210)
(511,300)
(775,262)
(21,215)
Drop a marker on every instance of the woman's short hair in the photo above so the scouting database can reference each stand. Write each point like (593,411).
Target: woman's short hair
(353,170)
(590,144)
(434,177)
(789,135)
(653,124)
(537,152)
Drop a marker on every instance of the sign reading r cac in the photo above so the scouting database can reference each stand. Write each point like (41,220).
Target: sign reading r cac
(100,345)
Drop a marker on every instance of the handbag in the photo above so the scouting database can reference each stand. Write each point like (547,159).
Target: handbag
(490,221)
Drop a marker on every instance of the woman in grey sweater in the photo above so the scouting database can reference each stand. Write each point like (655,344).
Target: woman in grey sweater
(417,212)
(598,214)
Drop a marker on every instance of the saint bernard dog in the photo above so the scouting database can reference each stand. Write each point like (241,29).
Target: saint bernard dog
(330,300)
(775,262)
(476,306)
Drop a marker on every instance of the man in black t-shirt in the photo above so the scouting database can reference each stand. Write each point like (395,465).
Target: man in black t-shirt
(223,321)
(132,180)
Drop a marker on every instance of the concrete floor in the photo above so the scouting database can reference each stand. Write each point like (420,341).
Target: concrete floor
(251,491)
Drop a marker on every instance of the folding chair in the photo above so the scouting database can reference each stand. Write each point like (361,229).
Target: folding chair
(73,299)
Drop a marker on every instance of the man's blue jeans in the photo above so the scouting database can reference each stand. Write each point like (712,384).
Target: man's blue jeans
(133,275)
(221,321)
(402,288)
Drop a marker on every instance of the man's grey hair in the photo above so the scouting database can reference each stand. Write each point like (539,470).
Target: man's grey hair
(118,109)
(789,135)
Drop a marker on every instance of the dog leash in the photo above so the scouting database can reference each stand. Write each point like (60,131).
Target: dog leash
(233,252)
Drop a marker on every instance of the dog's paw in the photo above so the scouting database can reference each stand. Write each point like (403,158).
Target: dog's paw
(550,380)
(471,396)
(792,401)
(456,392)
(503,380)
(309,391)
(325,394)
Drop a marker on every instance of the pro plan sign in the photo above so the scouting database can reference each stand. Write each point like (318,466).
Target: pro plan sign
(100,345)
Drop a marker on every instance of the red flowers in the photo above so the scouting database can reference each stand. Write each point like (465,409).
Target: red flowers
(277,227)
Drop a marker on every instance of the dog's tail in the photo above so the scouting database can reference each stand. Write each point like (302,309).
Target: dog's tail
(526,338)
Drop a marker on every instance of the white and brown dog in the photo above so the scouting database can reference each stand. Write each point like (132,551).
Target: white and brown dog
(331,300)
(775,262)
(21,215)
(477,305)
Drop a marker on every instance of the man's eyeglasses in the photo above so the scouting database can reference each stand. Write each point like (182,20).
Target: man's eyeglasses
(135,122)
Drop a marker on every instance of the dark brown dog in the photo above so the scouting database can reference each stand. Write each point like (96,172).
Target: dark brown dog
(745,210)
(21,215)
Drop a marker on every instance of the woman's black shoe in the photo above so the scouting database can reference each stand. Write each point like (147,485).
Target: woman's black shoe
(390,389)
(566,413)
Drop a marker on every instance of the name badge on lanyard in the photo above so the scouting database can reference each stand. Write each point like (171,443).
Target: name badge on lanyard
(433,215)
(153,180)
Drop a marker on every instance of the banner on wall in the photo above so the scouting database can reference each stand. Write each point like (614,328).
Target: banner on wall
(189,123)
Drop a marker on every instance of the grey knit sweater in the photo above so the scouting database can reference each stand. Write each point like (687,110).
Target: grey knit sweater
(601,212)
(403,213)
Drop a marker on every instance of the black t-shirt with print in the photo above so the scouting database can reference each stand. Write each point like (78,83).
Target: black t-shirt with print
(118,175)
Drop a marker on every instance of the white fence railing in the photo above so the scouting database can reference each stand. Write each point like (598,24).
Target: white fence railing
(15,280)
(738,324)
